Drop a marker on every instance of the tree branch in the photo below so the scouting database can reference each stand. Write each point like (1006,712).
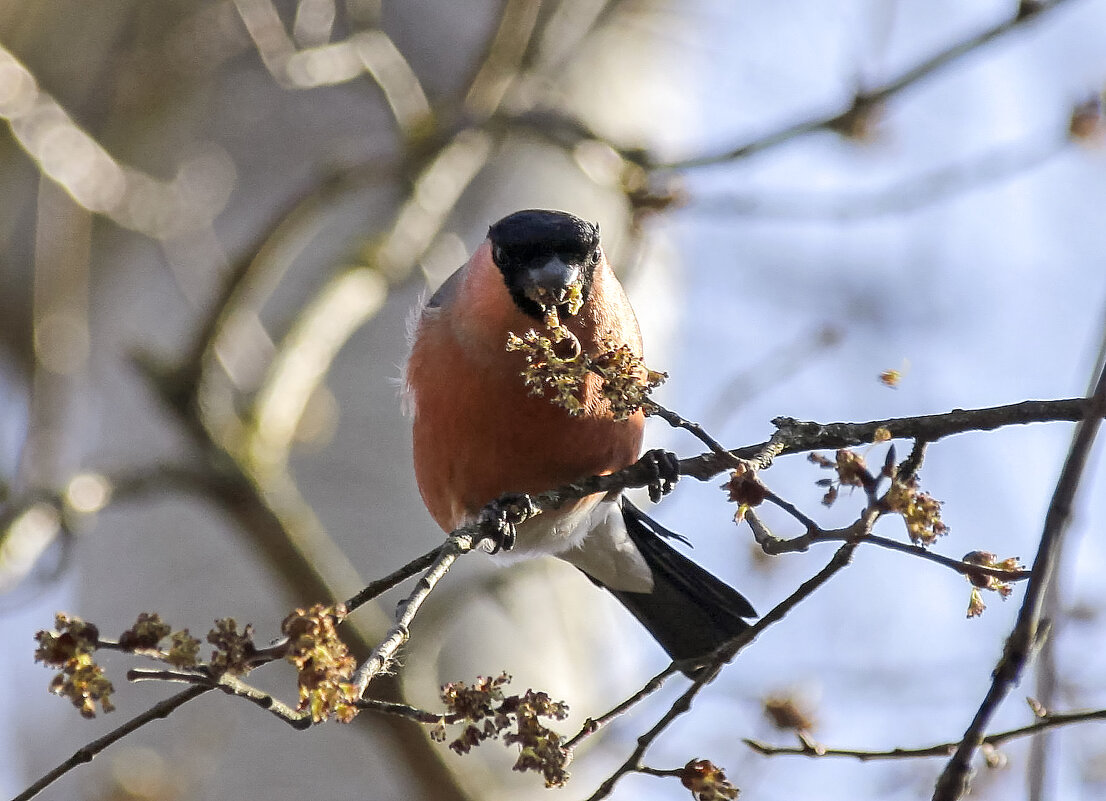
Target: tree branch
(798,436)
(840,559)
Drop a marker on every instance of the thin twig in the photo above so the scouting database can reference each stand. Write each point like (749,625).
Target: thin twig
(232,685)
(806,522)
(86,753)
(954,780)
(458,543)
(380,586)
(592,725)
(676,421)
(1051,721)
(798,436)
(774,546)
(408,711)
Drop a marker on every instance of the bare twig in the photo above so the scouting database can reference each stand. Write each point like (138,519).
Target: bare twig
(381,586)
(1046,723)
(794,436)
(460,542)
(676,421)
(954,780)
(902,196)
(86,753)
(774,546)
(804,520)
(592,725)
(408,711)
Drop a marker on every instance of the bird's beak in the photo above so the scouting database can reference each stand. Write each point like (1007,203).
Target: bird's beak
(553,283)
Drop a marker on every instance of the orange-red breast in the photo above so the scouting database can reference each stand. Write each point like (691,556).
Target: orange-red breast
(479,433)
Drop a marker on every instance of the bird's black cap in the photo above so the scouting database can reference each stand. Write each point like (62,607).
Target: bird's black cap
(526,240)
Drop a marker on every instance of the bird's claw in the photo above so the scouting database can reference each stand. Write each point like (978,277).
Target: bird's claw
(664,467)
(499,519)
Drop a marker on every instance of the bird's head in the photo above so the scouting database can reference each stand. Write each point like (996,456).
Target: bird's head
(547,258)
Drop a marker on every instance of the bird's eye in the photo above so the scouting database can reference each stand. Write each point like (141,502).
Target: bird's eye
(595,254)
(498,254)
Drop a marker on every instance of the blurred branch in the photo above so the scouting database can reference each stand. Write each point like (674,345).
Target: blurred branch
(866,101)
(1050,721)
(34,517)
(569,25)
(530,44)
(504,59)
(777,365)
(954,780)
(28,527)
(252,278)
(159,477)
(314,22)
(436,188)
(305,356)
(369,52)
(901,197)
(352,296)
(68,155)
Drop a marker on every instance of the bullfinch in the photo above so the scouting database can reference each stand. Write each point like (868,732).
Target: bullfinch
(479,433)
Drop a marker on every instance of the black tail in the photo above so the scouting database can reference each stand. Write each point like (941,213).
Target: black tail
(689,611)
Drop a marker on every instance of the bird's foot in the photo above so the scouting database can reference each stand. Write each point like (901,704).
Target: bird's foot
(499,519)
(664,467)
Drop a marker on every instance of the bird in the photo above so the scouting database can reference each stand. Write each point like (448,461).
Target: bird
(479,432)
